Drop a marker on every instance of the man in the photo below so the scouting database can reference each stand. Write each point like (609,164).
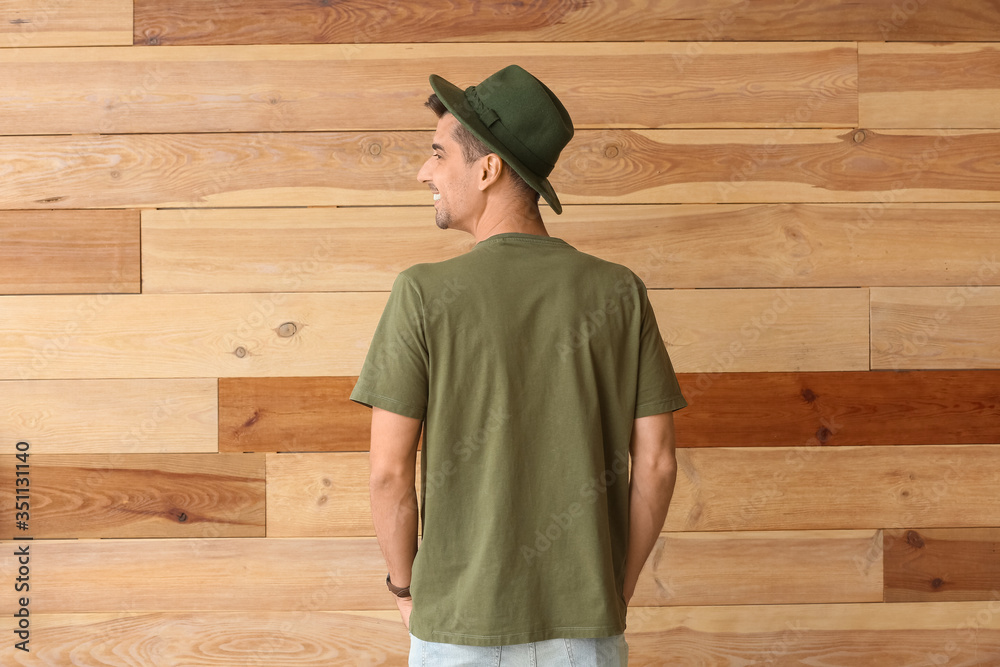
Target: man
(535,370)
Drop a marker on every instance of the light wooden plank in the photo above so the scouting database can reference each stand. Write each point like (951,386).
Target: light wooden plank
(291,415)
(33,23)
(326,495)
(319,495)
(861,635)
(668,246)
(111,416)
(138,495)
(818,488)
(939,327)
(808,487)
(942,564)
(313,249)
(355,22)
(313,87)
(165,336)
(762,568)
(848,408)
(929,85)
(597,167)
(67,252)
(238,639)
(316,334)
(716,331)
(193,574)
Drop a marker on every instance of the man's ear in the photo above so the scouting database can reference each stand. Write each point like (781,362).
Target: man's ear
(491,169)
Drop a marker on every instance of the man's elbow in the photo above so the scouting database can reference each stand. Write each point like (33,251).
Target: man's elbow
(390,478)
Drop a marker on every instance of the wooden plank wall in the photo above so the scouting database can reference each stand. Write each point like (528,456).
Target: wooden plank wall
(204,206)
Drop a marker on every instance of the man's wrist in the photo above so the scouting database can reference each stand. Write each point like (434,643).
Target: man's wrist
(398,591)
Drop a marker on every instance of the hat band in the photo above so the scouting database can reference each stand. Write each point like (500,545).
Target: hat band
(506,138)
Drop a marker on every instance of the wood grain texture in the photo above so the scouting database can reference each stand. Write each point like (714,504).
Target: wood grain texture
(308,414)
(862,635)
(923,565)
(716,331)
(255,638)
(813,487)
(718,489)
(312,249)
(319,495)
(938,327)
(597,167)
(357,22)
(668,246)
(310,88)
(868,635)
(33,23)
(192,574)
(929,85)
(245,335)
(849,408)
(111,416)
(69,252)
(761,568)
(183,335)
(139,495)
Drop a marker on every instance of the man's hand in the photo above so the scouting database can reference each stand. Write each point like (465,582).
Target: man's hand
(405,607)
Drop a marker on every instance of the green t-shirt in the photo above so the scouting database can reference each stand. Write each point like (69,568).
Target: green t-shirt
(528,361)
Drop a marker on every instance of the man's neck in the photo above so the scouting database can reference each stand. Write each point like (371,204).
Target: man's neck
(514,220)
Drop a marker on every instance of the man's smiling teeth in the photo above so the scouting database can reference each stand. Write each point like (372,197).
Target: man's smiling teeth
(436,196)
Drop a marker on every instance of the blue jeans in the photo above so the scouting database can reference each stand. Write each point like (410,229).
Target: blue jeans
(602,652)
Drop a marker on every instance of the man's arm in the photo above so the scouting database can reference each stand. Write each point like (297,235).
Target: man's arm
(654,471)
(393,495)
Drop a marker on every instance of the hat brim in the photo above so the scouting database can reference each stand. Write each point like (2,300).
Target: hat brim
(454,101)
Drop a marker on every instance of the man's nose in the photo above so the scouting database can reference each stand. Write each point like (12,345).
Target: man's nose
(423,175)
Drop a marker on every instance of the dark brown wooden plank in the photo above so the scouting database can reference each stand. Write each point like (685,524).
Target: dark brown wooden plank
(726,410)
(355,22)
(69,252)
(609,166)
(307,414)
(34,23)
(941,564)
(317,87)
(929,85)
(137,495)
(843,408)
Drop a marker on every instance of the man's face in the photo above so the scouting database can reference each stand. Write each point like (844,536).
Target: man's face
(450,178)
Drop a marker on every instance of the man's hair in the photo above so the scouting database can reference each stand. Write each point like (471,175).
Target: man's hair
(473,148)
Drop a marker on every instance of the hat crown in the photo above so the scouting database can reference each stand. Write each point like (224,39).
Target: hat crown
(536,126)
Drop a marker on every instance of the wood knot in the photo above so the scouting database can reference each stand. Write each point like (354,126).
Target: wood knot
(937,582)
(808,395)
(253,419)
(240,352)
(287,330)
(914,540)
(182,517)
(823,434)
(116,174)
(49,200)
(611,152)
(375,149)
(860,136)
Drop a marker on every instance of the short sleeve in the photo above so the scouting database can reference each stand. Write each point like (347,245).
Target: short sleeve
(657,389)
(394,375)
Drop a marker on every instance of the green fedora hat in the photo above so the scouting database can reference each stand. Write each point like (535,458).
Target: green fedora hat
(518,118)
